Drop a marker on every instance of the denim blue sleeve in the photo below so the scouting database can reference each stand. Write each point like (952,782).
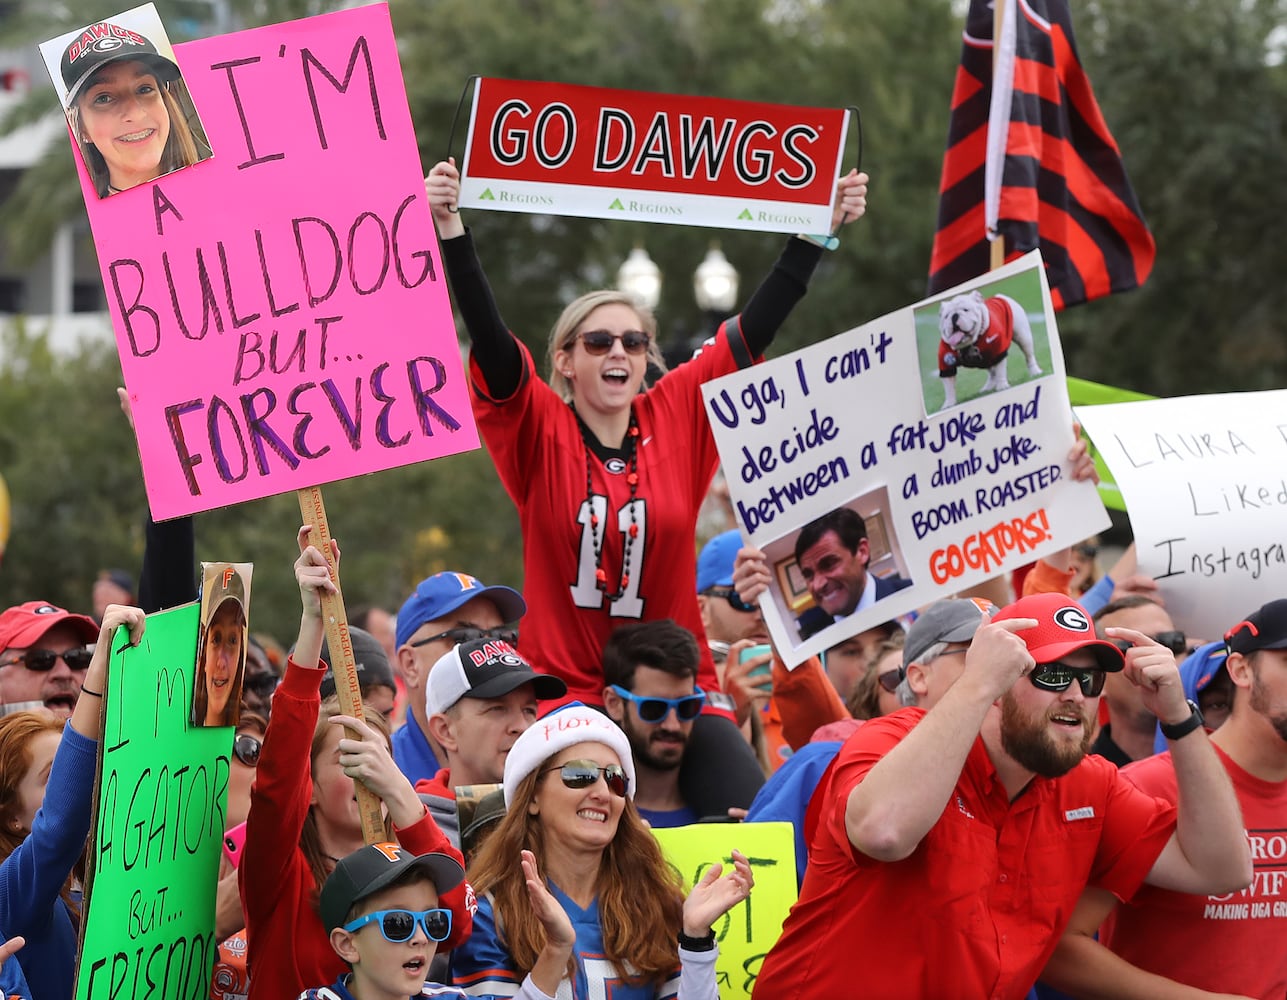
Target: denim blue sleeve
(33,875)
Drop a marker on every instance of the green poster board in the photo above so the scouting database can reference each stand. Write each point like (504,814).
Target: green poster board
(747,932)
(1083,393)
(148,929)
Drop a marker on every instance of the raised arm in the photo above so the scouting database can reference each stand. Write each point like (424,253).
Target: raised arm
(771,303)
(1208,853)
(494,347)
(123,626)
(889,812)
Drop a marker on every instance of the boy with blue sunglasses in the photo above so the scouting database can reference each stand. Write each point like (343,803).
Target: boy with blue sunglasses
(380,905)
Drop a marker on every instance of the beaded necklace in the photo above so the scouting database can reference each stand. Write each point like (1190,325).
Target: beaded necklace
(632,477)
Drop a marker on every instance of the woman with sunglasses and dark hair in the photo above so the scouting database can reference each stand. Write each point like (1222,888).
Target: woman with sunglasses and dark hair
(592,910)
(608,477)
(47,771)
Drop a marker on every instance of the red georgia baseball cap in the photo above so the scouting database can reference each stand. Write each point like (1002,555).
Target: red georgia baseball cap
(24,625)
(1063,627)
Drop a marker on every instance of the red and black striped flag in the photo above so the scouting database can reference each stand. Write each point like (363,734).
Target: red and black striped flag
(1035,162)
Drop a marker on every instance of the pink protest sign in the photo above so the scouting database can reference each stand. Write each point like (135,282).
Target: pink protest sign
(280,308)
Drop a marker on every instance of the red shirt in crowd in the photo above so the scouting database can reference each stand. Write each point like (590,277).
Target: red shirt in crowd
(288,949)
(540,455)
(976,910)
(1236,943)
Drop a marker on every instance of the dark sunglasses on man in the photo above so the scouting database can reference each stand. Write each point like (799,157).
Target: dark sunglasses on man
(463,633)
(729,594)
(1175,641)
(42,660)
(1058,676)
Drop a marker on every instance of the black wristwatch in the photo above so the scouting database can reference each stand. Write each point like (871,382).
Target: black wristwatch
(1182,729)
(706,943)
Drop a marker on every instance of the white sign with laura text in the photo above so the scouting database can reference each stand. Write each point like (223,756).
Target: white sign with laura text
(1205,483)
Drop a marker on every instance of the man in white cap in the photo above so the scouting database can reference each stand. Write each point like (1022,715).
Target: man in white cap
(444,609)
(481,696)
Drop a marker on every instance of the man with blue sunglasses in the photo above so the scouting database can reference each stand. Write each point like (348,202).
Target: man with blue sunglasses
(651,673)
(380,905)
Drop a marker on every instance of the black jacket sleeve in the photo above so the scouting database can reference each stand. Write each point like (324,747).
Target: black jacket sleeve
(169,575)
(778,293)
(494,347)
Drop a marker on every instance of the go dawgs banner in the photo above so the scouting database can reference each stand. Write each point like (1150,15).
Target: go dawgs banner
(559,149)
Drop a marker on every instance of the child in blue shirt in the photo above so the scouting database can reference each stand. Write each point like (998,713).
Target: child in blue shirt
(380,905)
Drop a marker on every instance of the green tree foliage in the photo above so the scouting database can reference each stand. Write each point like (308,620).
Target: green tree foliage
(1198,110)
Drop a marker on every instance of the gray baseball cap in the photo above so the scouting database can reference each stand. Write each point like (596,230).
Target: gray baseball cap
(953,620)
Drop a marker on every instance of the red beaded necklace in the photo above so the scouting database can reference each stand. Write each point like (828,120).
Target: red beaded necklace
(632,477)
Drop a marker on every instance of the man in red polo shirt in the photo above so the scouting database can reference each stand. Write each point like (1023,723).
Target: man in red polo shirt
(1227,944)
(954,843)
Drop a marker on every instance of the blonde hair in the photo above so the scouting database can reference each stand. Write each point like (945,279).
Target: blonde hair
(180,146)
(563,334)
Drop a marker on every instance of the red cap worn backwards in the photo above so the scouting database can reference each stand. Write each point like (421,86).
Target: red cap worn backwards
(1062,627)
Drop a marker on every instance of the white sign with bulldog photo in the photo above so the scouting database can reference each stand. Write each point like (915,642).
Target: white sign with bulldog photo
(908,459)
(1205,483)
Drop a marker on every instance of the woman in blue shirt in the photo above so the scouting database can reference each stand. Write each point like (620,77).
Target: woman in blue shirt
(46,790)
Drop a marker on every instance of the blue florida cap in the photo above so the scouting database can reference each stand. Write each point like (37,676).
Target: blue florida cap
(715,561)
(441,594)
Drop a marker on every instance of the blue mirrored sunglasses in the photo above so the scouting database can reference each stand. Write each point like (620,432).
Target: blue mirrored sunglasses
(398,926)
(655,710)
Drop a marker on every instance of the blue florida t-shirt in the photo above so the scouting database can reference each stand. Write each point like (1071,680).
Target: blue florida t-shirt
(481,967)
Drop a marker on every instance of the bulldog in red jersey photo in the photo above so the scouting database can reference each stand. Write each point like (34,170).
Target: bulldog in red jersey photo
(977,332)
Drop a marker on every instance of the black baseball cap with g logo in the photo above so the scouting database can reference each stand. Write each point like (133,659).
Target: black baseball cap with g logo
(103,43)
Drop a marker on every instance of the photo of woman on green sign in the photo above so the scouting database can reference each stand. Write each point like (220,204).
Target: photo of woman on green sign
(221,645)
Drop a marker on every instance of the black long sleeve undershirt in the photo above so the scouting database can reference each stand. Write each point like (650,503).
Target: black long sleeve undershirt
(497,354)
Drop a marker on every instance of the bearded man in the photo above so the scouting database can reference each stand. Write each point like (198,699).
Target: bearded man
(954,843)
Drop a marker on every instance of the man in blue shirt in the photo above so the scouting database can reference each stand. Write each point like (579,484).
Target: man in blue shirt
(444,610)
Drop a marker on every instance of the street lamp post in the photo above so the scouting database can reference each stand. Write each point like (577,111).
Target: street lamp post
(715,284)
(640,276)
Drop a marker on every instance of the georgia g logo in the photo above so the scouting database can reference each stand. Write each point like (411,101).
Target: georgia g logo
(1073,619)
